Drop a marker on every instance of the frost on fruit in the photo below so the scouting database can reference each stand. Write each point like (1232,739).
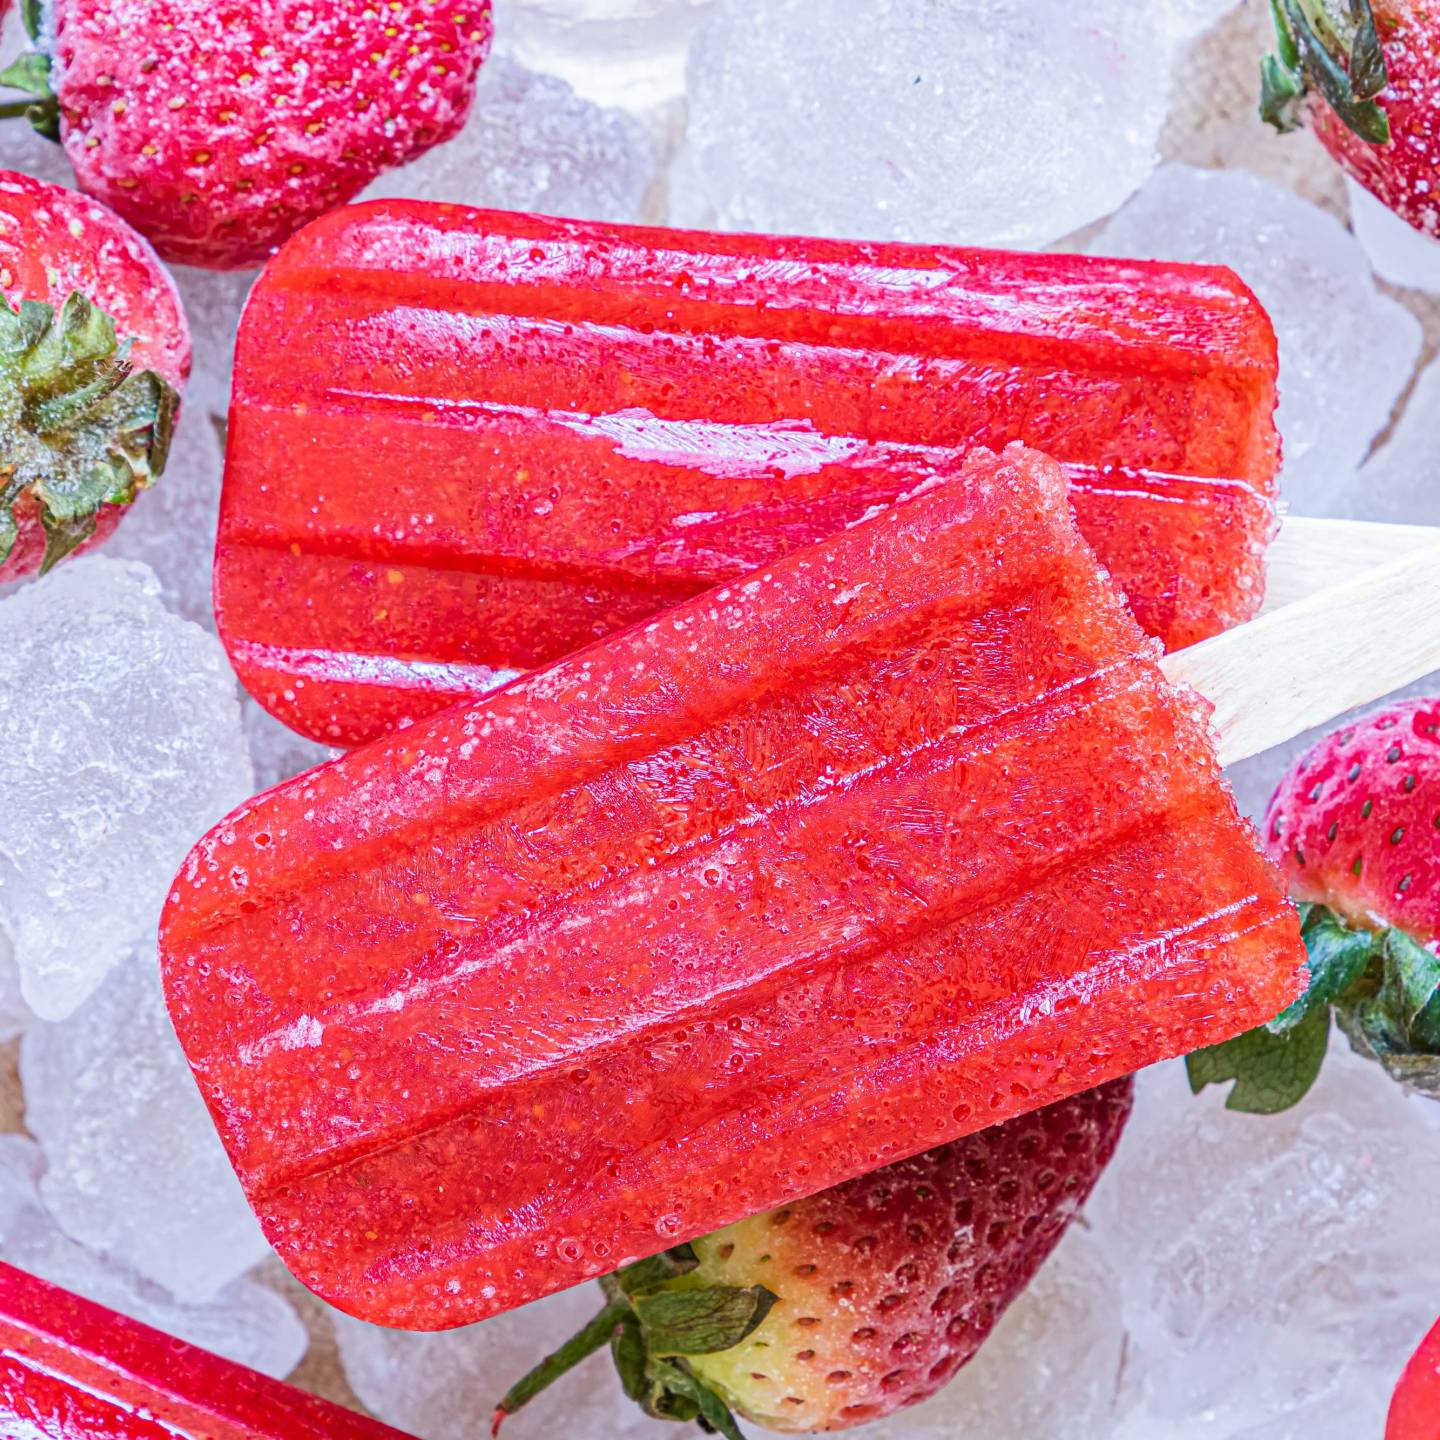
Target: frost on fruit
(135,1168)
(246,1322)
(120,741)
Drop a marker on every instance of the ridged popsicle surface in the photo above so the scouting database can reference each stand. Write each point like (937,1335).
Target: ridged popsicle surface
(882,844)
(464,443)
(73,1370)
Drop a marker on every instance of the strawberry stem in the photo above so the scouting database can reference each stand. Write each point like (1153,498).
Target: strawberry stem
(581,1346)
(653,1318)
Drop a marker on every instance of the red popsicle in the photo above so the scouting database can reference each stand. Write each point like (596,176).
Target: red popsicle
(72,1370)
(465,442)
(892,840)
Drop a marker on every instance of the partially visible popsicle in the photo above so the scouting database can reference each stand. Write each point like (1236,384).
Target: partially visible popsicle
(464,443)
(72,1370)
(893,839)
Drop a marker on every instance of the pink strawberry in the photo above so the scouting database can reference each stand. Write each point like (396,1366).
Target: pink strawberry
(1355,827)
(1368,77)
(1415,1407)
(94,351)
(220,127)
(858,1301)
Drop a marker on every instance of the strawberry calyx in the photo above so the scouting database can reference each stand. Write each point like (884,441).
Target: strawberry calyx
(31,75)
(653,1318)
(1383,988)
(1332,48)
(80,428)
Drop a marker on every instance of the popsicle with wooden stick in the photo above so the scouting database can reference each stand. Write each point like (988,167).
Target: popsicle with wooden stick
(73,1370)
(464,442)
(900,836)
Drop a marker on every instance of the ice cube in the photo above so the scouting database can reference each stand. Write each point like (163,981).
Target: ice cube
(134,1166)
(15,1014)
(213,301)
(1346,351)
(444,1386)
(1398,251)
(990,122)
(120,743)
(277,751)
(1049,1369)
(1275,1269)
(615,52)
(247,1322)
(1401,481)
(531,143)
(171,526)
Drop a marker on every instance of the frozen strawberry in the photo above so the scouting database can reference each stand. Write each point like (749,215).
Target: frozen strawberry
(1368,77)
(1415,1410)
(94,351)
(857,1301)
(219,128)
(1355,827)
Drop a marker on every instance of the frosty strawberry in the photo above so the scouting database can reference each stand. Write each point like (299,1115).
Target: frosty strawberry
(857,1301)
(1368,77)
(94,350)
(219,128)
(1415,1409)
(1355,826)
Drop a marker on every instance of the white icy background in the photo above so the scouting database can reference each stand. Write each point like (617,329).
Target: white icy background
(1237,1279)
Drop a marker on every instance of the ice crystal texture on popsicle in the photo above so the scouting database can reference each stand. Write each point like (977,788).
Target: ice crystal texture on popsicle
(134,1167)
(505,436)
(120,738)
(759,874)
(246,1322)
(1346,350)
(987,122)
(71,1369)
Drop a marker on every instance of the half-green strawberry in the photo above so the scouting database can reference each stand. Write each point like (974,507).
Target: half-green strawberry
(1355,826)
(855,1302)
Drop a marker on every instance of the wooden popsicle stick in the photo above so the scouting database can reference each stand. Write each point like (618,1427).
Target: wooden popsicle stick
(1308,662)
(1309,555)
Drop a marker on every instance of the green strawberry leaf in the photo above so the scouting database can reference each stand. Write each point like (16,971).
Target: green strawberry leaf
(79,428)
(1289,52)
(1271,1072)
(30,73)
(700,1321)
(654,1271)
(1368,76)
(1312,54)
(627,1349)
(1338,957)
(1282,93)
(1384,988)
(1411,979)
(32,12)
(679,1395)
